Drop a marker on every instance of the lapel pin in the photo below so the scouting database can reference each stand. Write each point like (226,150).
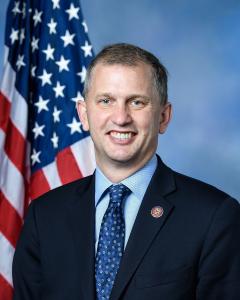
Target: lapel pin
(157,211)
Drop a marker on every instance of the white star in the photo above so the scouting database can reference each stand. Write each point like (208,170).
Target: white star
(72,12)
(33,71)
(75,126)
(42,104)
(49,52)
(37,17)
(87,48)
(58,89)
(78,97)
(55,140)
(22,35)
(34,44)
(35,157)
(38,130)
(24,10)
(63,64)
(84,24)
(45,77)
(14,35)
(82,74)
(56,4)
(16,9)
(56,114)
(20,63)
(68,38)
(52,26)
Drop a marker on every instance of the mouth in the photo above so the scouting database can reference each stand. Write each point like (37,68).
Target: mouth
(122,137)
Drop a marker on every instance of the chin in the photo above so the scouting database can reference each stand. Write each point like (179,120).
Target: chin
(123,158)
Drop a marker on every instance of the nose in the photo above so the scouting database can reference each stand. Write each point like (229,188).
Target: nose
(121,115)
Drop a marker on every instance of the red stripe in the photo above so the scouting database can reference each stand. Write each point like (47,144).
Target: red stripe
(15,147)
(10,221)
(67,166)
(6,290)
(38,185)
(15,144)
(5,106)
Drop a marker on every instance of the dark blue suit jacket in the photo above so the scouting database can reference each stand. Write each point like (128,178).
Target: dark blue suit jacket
(191,252)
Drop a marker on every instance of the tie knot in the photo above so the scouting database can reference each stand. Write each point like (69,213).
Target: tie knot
(118,192)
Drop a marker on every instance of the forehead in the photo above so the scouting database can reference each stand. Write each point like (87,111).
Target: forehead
(139,75)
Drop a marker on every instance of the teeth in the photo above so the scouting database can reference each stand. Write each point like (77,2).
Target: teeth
(121,136)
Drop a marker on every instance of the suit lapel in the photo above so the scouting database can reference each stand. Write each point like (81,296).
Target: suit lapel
(146,227)
(81,218)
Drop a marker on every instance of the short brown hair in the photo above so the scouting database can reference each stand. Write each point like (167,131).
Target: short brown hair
(130,55)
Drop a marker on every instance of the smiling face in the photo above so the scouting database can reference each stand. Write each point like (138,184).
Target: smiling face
(123,113)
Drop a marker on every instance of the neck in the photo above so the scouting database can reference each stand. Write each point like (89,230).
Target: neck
(118,171)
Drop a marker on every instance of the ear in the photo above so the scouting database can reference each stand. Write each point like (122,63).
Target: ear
(165,118)
(82,113)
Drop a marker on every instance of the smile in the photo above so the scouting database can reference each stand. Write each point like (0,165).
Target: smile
(121,135)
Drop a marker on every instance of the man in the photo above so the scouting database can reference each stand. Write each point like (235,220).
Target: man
(135,229)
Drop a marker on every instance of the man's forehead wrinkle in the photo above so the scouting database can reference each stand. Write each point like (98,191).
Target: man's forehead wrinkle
(130,96)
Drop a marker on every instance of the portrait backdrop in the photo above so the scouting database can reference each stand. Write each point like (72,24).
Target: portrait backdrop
(199,44)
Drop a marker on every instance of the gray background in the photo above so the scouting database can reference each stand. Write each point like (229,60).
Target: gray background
(199,43)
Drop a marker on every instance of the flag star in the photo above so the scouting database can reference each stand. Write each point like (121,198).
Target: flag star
(84,24)
(82,74)
(24,10)
(22,35)
(14,35)
(37,17)
(55,140)
(45,77)
(68,38)
(20,63)
(16,9)
(87,48)
(34,43)
(35,157)
(49,52)
(72,12)
(63,64)
(38,130)
(42,104)
(75,126)
(56,114)
(33,71)
(56,4)
(79,97)
(58,89)
(52,26)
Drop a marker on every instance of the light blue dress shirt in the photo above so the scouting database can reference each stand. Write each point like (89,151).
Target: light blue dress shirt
(137,183)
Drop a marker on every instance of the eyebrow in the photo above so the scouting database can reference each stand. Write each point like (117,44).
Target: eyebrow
(131,96)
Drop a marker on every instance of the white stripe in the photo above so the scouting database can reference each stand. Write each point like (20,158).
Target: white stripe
(51,173)
(5,58)
(83,152)
(19,109)
(6,259)
(28,162)
(12,183)
(2,141)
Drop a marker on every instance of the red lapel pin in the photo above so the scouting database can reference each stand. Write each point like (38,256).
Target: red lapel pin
(157,211)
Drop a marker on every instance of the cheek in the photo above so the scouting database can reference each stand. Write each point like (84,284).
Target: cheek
(149,124)
(96,121)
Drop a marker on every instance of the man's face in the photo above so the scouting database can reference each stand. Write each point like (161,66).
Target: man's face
(123,113)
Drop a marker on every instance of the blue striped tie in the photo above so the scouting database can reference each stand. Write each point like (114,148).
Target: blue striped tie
(111,242)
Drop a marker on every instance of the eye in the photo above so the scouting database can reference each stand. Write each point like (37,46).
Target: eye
(137,103)
(104,101)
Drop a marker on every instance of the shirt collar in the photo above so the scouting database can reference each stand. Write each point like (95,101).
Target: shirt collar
(137,182)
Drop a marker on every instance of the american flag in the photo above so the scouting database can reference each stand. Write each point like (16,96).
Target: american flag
(42,142)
